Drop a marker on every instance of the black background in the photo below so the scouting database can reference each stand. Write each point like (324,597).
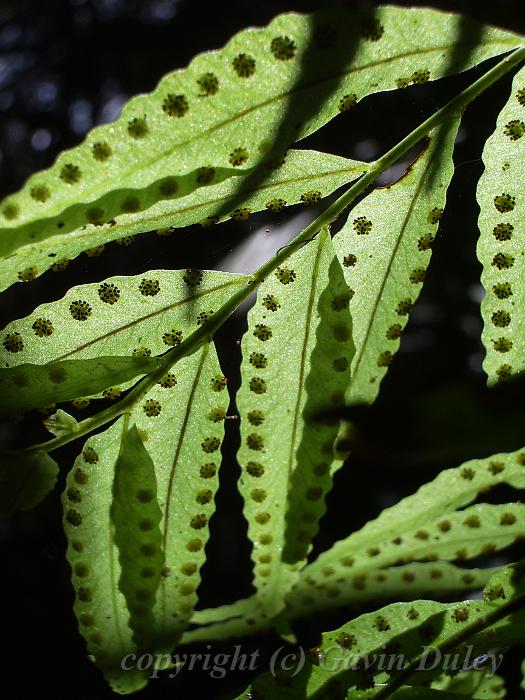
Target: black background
(65,66)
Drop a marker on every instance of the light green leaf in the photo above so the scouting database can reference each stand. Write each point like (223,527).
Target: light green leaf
(181,421)
(415,526)
(30,386)
(25,480)
(500,246)
(385,248)
(296,355)
(141,315)
(476,684)
(136,515)
(61,423)
(100,606)
(229,110)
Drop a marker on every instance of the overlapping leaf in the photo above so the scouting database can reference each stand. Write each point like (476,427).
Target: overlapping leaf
(25,480)
(425,525)
(385,248)
(500,246)
(364,652)
(232,108)
(296,354)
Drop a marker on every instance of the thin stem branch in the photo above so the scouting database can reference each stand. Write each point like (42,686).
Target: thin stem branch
(207,330)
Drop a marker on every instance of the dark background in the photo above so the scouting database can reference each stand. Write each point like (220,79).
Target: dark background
(68,65)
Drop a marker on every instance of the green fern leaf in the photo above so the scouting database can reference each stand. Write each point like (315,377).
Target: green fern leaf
(305,177)
(476,684)
(25,480)
(100,606)
(500,247)
(385,248)
(279,83)
(30,386)
(424,525)
(296,352)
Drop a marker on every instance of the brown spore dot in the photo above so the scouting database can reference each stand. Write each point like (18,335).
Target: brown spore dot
(408,576)
(412,614)
(148,550)
(56,374)
(145,525)
(276,205)
(266,538)
(285,276)
(494,593)
(73,517)
(514,129)
(262,518)
(172,338)
(503,290)
(209,84)
(255,442)
(13,342)
(520,96)
(11,211)
(262,332)
(394,332)
(218,383)
(500,318)
(507,519)
(257,385)
(381,624)
(101,151)
(258,495)
(149,287)
(314,493)
(345,640)
(216,415)
(145,495)
(203,497)
(175,105)
(321,469)
(461,553)
(244,65)
(80,476)
(461,614)
(520,459)
(168,188)
(43,327)
(347,561)
(207,471)
(188,569)
(372,29)
(129,206)
(73,495)
(108,292)
(417,276)
(404,307)
(70,173)
(204,316)
(90,455)
(421,535)
(436,573)
(472,521)
(311,197)
(504,202)
(373,551)
(425,242)
(282,48)
(347,102)
(340,302)
(210,444)
(419,77)
(95,251)
(194,545)
(504,372)
(137,127)
(502,344)
(435,215)
(40,193)
(205,175)
(385,359)
(362,226)
(209,221)
(87,620)
(349,260)
(444,525)
(503,232)
(80,310)
(241,214)
(255,469)
(141,352)
(198,521)
(341,333)
(60,265)
(84,594)
(81,570)
(256,417)
(28,274)
(152,408)
(238,157)
(340,364)
(112,393)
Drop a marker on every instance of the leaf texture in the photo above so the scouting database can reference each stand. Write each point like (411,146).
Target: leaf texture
(25,480)
(296,352)
(232,108)
(385,248)
(500,246)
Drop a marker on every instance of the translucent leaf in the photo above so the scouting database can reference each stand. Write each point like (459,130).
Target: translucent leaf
(136,515)
(385,248)
(141,315)
(31,386)
(181,421)
(25,480)
(424,525)
(500,246)
(313,595)
(362,653)
(100,606)
(296,354)
(305,177)
(475,684)
(232,108)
